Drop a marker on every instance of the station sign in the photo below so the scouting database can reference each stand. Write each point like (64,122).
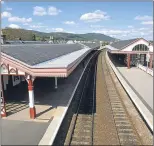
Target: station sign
(15,80)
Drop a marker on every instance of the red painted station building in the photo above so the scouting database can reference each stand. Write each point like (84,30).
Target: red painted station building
(133,52)
(20,62)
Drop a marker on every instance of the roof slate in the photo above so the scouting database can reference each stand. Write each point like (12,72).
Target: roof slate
(120,44)
(33,54)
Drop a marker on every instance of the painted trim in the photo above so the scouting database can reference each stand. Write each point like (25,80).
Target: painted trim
(41,72)
(130,52)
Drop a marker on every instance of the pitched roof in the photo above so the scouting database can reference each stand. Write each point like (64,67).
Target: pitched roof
(121,44)
(33,54)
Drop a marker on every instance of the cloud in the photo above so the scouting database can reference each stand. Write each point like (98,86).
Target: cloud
(58,29)
(96,26)
(147,22)
(145,32)
(41,11)
(69,22)
(8,9)
(2,2)
(53,11)
(111,31)
(142,28)
(37,26)
(5,14)
(130,26)
(25,23)
(95,16)
(14,26)
(18,19)
(61,30)
(70,32)
(145,17)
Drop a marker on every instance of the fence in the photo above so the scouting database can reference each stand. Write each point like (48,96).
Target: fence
(147,70)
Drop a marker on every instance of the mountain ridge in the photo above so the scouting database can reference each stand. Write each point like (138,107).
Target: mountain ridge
(24,34)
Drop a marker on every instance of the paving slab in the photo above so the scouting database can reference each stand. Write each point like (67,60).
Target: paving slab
(22,132)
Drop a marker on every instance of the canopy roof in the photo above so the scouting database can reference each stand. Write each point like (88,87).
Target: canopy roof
(127,46)
(33,54)
(121,44)
(43,59)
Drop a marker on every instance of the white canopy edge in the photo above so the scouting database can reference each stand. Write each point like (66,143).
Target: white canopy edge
(63,61)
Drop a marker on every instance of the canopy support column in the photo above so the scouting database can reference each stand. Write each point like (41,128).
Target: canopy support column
(32,109)
(151,60)
(128,61)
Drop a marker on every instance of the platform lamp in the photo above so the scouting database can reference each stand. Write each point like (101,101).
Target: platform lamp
(147,58)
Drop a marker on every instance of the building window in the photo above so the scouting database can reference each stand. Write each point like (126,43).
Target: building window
(140,47)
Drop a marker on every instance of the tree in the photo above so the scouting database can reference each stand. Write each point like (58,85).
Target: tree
(34,37)
(43,39)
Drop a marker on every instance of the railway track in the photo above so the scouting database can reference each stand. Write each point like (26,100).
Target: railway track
(97,114)
(77,126)
(126,133)
(82,131)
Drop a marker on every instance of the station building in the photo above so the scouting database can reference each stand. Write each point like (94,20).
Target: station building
(134,52)
(27,61)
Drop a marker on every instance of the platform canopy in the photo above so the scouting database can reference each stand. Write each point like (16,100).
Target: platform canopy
(133,46)
(50,60)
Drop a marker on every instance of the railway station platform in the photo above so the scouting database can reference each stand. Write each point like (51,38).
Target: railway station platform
(19,129)
(138,85)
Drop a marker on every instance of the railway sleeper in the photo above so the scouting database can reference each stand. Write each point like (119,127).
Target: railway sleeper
(82,138)
(84,121)
(128,140)
(84,116)
(120,115)
(80,143)
(81,130)
(83,126)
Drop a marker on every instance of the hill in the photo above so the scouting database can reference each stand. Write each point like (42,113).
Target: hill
(12,34)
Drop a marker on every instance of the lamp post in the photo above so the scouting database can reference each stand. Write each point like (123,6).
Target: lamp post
(147,58)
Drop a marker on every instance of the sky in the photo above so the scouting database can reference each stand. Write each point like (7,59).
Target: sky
(122,20)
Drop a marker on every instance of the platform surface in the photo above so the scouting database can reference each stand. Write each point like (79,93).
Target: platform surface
(19,129)
(141,83)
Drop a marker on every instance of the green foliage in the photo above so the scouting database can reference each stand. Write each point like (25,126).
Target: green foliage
(34,37)
(14,34)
